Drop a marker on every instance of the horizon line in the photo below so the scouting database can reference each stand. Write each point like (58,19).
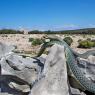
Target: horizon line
(20,29)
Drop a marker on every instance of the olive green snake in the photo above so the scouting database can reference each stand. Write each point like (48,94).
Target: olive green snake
(71,55)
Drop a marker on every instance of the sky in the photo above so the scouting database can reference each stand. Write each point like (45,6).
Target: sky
(47,14)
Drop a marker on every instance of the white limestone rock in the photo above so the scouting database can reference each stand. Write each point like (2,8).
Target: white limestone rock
(5,49)
(54,81)
(24,68)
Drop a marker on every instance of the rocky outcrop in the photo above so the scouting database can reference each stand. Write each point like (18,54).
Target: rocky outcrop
(24,68)
(54,81)
(18,73)
(46,75)
(87,66)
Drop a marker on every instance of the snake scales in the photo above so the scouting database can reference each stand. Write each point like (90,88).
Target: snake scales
(84,82)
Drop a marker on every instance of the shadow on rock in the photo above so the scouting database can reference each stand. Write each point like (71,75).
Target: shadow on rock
(5,80)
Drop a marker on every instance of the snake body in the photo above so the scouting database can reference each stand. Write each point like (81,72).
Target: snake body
(85,83)
(76,54)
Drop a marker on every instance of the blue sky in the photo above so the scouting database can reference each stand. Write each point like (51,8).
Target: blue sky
(47,14)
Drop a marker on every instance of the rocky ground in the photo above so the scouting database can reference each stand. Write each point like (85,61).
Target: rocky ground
(23,44)
(46,75)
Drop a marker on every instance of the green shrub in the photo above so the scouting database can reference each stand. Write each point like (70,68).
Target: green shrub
(79,40)
(68,40)
(89,39)
(93,41)
(31,39)
(86,44)
(84,36)
(3,35)
(10,31)
(37,42)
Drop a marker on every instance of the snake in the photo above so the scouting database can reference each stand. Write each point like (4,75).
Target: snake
(84,83)
(57,39)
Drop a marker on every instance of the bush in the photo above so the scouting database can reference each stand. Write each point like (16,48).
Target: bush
(31,39)
(89,39)
(10,31)
(93,41)
(37,42)
(86,44)
(68,40)
(79,40)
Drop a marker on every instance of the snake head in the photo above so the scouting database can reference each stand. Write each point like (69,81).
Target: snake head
(45,39)
(49,38)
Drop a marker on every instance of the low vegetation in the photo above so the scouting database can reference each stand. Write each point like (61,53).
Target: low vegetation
(31,39)
(36,41)
(86,44)
(68,40)
(10,31)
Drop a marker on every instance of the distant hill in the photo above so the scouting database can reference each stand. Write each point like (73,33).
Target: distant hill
(78,31)
(10,31)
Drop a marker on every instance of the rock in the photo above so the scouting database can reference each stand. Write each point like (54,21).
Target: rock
(76,91)
(46,74)
(23,88)
(88,67)
(54,81)
(5,49)
(25,68)
(42,58)
(13,85)
(0,69)
(91,59)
